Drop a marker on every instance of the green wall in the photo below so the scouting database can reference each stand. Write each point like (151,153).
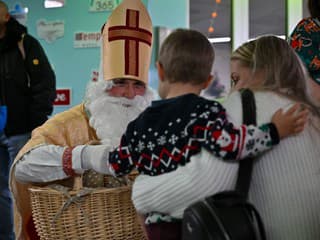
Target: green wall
(73,66)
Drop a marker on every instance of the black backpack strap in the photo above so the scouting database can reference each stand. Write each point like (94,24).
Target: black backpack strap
(245,166)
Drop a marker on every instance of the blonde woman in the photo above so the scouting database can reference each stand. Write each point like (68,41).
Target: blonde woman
(286,180)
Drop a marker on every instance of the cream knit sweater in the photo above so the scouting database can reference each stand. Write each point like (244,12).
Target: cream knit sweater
(285,185)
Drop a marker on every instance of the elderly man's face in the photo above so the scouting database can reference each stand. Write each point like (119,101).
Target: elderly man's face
(127,88)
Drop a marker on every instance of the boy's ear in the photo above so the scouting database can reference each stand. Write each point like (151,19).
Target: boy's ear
(7,17)
(160,71)
(209,80)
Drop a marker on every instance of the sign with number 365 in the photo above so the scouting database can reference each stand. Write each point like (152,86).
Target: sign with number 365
(103,5)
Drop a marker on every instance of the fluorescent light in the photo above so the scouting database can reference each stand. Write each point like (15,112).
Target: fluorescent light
(279,36)
(53,3)
(228,39)
(220,40)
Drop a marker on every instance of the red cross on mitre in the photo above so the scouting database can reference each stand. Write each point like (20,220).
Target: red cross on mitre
(132,35)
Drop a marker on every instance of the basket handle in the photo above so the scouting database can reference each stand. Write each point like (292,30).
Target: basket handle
(77,183)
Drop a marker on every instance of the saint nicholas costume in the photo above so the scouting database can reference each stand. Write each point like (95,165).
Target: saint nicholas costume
(126,53)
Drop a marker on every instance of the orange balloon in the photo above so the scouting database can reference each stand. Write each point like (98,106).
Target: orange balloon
(211,29)
(214,14)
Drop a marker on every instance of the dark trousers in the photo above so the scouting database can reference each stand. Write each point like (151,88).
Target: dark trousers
(9,147)
(164,231)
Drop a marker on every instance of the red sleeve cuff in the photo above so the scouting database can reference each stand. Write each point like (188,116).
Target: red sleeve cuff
(67,162)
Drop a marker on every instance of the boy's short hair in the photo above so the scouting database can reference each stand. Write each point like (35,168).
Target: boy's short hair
(186,56)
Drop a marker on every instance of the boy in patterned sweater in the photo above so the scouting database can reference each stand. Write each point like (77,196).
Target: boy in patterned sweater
(173,129)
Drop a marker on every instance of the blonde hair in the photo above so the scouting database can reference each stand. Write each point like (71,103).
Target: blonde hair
(283,70)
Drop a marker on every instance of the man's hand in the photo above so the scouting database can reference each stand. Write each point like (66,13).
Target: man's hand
(96,157)
(292,121)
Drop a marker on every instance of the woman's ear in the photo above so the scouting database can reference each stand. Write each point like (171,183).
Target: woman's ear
(160,71)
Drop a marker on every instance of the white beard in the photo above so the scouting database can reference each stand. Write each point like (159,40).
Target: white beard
(109,116)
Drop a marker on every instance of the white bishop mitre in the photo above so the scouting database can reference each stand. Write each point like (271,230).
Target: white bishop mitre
(127,42)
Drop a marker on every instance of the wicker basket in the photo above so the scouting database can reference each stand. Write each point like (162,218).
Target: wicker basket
(102,213)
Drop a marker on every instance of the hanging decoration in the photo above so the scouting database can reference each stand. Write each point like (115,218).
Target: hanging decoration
(50,30)
(20,13)
(213,16)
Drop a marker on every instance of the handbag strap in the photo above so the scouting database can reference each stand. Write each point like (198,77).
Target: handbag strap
(246,165)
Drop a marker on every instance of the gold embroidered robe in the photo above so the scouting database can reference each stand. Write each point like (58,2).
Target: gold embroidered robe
(69,128)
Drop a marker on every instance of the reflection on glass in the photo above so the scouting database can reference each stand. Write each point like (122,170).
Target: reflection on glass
(220,85)
(213,19)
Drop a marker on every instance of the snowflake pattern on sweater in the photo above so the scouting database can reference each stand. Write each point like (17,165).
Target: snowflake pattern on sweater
(170,131)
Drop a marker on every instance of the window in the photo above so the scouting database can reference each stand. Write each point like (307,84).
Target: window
(213,19)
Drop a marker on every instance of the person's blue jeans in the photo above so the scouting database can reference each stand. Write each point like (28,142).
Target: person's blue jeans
(9,148)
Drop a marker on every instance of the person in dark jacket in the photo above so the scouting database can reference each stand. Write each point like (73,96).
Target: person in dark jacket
(27,89)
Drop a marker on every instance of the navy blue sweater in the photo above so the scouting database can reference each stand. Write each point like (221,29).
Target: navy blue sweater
(170,131)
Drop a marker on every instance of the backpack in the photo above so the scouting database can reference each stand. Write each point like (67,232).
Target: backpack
(228,215)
